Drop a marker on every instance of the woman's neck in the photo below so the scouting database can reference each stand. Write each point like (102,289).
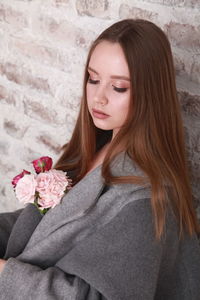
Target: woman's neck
(99,157)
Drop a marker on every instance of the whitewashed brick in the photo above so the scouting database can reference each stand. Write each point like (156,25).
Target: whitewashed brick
(49,143)
(184,36)
(14,129)
(127,11)
(94,8)
(190,105)
(22,76)
(13,17)
(4,147)
(181,3)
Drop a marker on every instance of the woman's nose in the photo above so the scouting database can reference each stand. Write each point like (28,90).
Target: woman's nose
(100,96)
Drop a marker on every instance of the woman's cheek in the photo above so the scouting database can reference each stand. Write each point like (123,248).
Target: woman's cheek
(90,93)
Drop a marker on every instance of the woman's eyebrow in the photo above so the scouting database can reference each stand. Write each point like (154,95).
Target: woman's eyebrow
(112,76)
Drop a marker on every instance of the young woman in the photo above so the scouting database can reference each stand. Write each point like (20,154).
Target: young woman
(127,228)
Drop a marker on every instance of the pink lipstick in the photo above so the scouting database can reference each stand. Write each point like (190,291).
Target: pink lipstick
(99,114)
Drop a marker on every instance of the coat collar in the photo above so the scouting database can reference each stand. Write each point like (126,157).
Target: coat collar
(72,206)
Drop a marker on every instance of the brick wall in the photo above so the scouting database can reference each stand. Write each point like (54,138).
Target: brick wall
(43,46)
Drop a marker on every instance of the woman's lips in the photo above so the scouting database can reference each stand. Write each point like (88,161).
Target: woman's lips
(99,114)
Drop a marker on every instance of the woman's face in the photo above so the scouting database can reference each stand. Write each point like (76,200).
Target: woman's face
(108,87)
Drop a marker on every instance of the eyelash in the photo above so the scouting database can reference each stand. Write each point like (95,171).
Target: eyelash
(119,90)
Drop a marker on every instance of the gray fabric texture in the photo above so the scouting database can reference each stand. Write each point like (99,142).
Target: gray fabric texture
(6,225)
(109,253)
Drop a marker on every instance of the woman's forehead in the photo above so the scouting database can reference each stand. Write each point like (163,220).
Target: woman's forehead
(109,57)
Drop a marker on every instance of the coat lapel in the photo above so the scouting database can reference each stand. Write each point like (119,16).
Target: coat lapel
(73,206)
(67,224)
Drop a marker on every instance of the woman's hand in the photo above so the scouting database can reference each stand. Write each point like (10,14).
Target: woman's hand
(2,263)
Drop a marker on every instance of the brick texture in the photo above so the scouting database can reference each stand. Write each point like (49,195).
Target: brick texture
(13,129)
(180,3)
(21,76)
(190,105)
(94,8)
(43,47)
(13,17)
(127,11)
(184,36)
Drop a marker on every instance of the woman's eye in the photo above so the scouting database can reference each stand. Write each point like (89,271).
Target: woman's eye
(93,81)
(119,90)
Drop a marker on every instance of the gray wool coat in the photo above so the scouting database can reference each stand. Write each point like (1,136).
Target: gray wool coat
(108,253)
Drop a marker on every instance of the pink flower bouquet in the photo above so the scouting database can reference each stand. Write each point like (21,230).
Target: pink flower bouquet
(45,189)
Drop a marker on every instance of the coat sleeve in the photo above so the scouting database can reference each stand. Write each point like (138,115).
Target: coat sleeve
(121,261)
(7,221)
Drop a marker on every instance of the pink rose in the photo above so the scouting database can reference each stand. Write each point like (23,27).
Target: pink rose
(42,164)
(51,186)
(18,177)
(25,189)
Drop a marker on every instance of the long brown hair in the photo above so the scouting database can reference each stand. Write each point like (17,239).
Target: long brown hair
(153,133)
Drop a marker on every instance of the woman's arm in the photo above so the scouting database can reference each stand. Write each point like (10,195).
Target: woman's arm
(119,261)
(7,221)
(122,260)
